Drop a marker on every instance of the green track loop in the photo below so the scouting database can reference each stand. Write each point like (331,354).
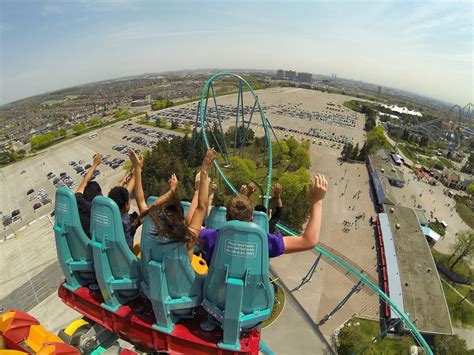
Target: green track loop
(204,96)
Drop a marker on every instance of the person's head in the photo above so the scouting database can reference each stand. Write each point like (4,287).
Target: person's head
(121,197)
(240,208)
(169,220)
(260,208)
(92,190)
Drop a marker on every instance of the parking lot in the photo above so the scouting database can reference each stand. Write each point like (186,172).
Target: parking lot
(56,160)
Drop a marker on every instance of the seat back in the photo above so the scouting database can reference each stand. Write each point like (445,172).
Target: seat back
(73,246)
(261,219)
(169,280)
(216,218)
(117,267)
(238,280)
(186,206)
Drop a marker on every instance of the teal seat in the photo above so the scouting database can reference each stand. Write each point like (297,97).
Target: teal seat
(261,219)
(186,206)
(216,218)
(169,280)
(73,246)
(116,267)
(238,281)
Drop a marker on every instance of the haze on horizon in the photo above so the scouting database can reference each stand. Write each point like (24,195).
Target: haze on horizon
(422,47)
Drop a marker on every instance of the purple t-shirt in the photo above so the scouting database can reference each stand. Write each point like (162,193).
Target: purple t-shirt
(208,238)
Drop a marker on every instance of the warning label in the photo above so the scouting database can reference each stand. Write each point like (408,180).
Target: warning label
(240,249)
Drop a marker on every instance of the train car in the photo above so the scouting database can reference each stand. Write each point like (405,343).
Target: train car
(161,302)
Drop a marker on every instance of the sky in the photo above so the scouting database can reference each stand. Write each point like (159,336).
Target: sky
(420,46)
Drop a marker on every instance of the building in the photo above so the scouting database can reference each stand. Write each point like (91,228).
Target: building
(409,270)
(384,174)
(280,73)
(305,77)
(290,74)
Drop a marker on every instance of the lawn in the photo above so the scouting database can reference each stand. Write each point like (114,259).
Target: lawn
(371,329)
(462,315)
(462,267)
(465,213)
(447,163)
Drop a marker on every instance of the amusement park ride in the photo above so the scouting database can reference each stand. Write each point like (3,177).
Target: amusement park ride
(157,301)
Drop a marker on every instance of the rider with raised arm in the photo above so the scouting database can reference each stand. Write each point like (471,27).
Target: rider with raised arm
(167,212)
(241,208)
(86,192)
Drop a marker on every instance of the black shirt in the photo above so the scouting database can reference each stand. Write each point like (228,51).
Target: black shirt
(84,208)
(276,215)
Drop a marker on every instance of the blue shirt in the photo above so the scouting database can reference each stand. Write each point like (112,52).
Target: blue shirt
(130,225)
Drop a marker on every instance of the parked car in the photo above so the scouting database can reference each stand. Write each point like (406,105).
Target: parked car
(63,174)
(16,215)
(7,220)
(30,191)
(87,166)
(37,205)
(45,200)
(72,162)
(22,172)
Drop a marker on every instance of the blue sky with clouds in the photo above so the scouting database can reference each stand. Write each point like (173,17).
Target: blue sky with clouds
(420,46)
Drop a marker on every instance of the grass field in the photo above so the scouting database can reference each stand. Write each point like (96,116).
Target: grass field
(461,315)
(368,330)
(466,214)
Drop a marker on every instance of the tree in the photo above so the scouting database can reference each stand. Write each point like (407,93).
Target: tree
(93,122)
(296,199)
(174,124)
(187,127)
(121,113)
(376,140)
(370,122)
(292,146)
(405,135)
(363,153)
(347,151)
(161,122)
(301,159)
(355,152)
(62,132)
(450,344)
(352,340)
(470,188)
(424,141)
(243,171)
(463,247)
(78,128)
(161,104)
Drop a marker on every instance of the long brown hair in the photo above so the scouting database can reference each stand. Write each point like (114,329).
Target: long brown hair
(169,220)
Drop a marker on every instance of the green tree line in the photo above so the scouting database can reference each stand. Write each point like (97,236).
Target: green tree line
(177,156)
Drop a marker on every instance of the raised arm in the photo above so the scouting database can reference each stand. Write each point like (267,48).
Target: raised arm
(277,195)
(128,181)
(194,201)
(96,160)
(130,184)
(201,208)
(309,239)
(137,164)
(173,181)
(211,198)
